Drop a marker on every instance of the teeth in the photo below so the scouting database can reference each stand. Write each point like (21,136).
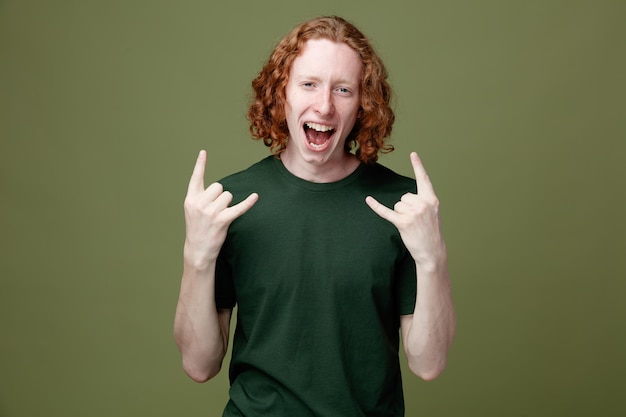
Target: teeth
(318,127)
(315,145)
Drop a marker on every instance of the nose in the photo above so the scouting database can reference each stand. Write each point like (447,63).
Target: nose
(324,103)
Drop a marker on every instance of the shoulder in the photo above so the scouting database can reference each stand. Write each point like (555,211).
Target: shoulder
(377,175)
(263,167)
(259,175)
(386,185)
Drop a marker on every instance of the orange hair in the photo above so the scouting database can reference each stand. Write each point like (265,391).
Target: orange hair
(267,111)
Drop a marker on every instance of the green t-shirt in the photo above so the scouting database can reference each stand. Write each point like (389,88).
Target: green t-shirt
(320,282)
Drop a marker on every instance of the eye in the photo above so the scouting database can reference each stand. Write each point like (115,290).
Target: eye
(343,90)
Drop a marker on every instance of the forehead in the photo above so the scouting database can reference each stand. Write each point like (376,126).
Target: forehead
(327,59)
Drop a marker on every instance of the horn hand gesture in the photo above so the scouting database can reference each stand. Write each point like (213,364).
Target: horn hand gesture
(208,215)
(416,216)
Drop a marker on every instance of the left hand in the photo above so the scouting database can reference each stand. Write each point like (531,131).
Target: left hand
(416,216)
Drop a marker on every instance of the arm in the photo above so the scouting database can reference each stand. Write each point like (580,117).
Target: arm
(200,330)
(427,334)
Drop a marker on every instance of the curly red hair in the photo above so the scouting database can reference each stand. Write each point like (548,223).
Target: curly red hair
(267,111)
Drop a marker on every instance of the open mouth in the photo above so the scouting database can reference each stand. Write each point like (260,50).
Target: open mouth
(317,134)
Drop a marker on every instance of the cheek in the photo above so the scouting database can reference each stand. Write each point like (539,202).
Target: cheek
(351,114)
(290,118)
(289,108)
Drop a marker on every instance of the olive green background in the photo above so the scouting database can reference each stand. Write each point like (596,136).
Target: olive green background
(517,108)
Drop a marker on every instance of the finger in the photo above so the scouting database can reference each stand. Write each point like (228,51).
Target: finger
(196,183)
(409,198)
(424,186)
(384,212)
(213,191)
(222,200)
(402,207)
(243,206)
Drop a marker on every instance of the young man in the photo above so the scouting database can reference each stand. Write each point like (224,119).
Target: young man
(325,276)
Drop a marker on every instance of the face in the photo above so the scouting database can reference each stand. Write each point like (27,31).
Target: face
(323,100)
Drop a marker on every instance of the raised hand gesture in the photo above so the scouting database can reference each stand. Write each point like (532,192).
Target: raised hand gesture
(416,216)
(208,216)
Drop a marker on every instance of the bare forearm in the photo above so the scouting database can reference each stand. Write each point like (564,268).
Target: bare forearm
(201,332)
(197,330)
(429,332)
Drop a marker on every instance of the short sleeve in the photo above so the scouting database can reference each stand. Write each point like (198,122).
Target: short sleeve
(224,288)
(406,285)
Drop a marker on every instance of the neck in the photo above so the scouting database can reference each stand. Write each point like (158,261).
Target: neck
(322,172)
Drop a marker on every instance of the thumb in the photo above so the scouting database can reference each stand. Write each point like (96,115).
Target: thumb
(380,209)
(243,206)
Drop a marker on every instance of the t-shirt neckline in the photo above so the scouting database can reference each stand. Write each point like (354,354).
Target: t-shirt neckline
(316,186)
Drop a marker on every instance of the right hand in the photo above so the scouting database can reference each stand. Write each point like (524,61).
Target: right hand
(208,216)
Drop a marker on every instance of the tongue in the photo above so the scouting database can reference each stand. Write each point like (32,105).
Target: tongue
(317,137)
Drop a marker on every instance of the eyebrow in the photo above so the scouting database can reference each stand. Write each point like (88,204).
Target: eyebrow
(345,81)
